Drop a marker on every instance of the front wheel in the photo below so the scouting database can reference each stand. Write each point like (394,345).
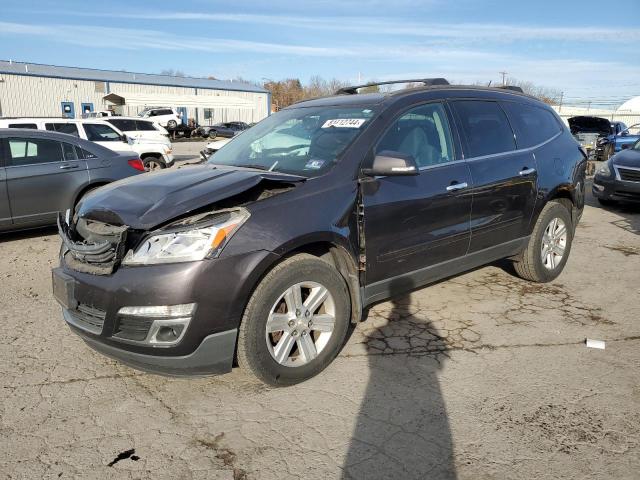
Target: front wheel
(212,134)
(548,249)
(172,124)
(295,322)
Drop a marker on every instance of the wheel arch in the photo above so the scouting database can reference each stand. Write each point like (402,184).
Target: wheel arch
(86,188)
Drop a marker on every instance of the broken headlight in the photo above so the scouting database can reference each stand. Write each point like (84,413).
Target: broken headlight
(189,240)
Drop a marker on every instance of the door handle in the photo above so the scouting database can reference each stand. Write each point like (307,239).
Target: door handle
(457,186)
(526,171)
(68,167)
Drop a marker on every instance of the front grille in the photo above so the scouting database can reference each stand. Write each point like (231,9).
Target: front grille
(132,328)
(88,318)
(629,175)
(627,194)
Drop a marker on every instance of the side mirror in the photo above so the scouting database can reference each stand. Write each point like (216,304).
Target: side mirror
(390,163)
(624,133)
(624,146)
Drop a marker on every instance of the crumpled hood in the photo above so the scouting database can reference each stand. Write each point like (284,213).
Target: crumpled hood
(627,158)
(146,201)
(585,124)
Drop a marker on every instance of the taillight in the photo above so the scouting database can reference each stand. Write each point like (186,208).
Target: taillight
(137,164)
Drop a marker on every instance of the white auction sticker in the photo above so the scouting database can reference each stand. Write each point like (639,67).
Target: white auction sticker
(344,123)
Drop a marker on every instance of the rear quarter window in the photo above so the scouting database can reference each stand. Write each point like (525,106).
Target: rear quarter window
(123,124)
(32,126)
(485,127)
(533,125)
(144,126)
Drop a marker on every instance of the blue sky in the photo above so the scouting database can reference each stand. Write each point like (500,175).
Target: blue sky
(587,49)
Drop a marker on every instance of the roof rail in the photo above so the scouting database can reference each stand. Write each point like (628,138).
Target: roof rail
(513,88)
(427,82)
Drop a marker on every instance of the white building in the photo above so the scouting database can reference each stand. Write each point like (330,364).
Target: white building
(28,89)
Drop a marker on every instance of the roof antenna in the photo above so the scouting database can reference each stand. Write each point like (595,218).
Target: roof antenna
(489,84)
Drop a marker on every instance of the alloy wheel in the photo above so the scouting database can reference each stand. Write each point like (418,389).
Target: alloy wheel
(554,242)
(300,324)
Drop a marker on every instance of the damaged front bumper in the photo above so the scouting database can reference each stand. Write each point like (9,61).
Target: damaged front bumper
(174,318)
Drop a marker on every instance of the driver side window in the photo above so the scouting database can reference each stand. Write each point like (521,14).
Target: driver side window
(422,132)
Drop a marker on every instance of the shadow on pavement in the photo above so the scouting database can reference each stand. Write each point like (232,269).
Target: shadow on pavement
(402,430)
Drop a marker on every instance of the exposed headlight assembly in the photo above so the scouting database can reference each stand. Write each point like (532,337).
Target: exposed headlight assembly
(604,170)
(189,240)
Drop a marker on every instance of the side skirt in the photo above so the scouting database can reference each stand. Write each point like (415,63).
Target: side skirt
(394,286)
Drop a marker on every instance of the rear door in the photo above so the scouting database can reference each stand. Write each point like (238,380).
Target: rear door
(504,178)
(63,127)
(43,177)
(5,210)
(415,222)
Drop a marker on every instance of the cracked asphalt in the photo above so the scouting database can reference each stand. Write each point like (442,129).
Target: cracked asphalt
(482,376)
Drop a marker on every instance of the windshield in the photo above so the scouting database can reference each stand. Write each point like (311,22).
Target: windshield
(301,141)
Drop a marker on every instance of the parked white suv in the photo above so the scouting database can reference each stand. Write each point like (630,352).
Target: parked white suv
(166,116)
(135,127)
(154,154)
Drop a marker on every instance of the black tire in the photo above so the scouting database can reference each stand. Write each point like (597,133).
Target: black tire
(212,134)
(606,203)
(172,124)
(608,151)
(153,163)
(528,264)
(253,353)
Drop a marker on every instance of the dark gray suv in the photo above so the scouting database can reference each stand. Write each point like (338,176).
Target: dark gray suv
(265,254)
(43,173)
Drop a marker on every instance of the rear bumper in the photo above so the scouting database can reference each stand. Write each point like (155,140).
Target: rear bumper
(614,189)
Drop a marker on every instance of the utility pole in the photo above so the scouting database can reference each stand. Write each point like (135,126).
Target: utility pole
(560,106)
(504,78)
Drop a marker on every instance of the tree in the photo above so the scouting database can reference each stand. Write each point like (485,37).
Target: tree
(548,95)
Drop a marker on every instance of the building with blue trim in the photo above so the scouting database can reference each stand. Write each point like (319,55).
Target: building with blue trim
(28,89)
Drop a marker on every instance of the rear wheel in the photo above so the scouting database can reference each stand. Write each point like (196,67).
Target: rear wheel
(153,163)
(295,322)
(548,249)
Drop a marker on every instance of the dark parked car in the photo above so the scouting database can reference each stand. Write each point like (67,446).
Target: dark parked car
(43,173)
(622,138)
(226,130)
(269,251)
(618,180)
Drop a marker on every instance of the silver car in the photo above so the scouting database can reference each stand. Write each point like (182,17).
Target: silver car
(43,173)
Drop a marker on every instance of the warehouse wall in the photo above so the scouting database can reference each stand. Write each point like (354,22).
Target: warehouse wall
(22,96)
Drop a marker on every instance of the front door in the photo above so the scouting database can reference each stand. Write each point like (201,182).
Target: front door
(505,179)
(415,222)
(43,177)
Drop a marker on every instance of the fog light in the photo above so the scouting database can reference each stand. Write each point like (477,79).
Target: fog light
(599,188)
(164,325)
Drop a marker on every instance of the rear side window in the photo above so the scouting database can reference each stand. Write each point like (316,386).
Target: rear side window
(144,126)
(100,133)
(123,124)
(32,126)
(533,125)
(29,151)
(68,128)
(164,112)
(485,126)
(69,151)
